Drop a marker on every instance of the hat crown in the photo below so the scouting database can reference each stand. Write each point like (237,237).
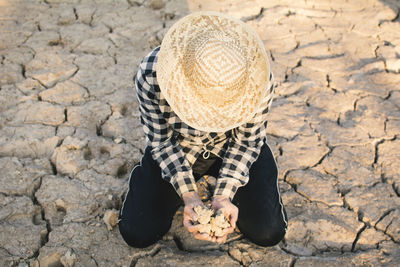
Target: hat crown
(218,64)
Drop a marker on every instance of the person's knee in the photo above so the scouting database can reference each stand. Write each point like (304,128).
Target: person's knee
(266,235)
(270,236)
(138,238)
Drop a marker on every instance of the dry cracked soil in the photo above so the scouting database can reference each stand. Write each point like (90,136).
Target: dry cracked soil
(70,131)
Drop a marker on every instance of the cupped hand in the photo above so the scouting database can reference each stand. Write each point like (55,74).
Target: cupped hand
(230,211)
(191,200)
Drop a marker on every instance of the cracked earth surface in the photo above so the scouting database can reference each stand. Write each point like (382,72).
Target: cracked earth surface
(70,131)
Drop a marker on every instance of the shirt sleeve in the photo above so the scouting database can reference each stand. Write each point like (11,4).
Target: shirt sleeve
(165,149)
(243,149)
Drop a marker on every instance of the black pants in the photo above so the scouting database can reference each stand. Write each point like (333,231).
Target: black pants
(151,202)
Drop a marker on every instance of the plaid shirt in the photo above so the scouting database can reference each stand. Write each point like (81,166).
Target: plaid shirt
(175,145)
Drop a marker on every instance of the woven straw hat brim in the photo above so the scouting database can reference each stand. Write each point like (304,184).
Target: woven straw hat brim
(225,89)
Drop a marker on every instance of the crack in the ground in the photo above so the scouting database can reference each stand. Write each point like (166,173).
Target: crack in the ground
(376,52)
(287,251)
(90,24)
(376,155)
(81,85)
(73,74)
(396,189)
(388,95)
(387,213)
(271,55)
(297,46)
(355,105)
(33,78)
(113,42)
(113,56)
(353,246)
(75,14)
(152,252)
(394,19)
(322,158)
(328,250)
(385,126)
(397,17)
(45,238)
(293,185)
(58,42)
(234,259)
(53,166)
(325,56)
(298,65)
(385,231)
(23,70)
(328,82)
(360,217)
(94,260)
(375,164)
(254,17)
(178,243)
(134,3)
(65,114)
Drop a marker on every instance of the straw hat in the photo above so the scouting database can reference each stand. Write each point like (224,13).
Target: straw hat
(213,71)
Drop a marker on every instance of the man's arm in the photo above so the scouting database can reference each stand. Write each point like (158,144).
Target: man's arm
(164,148)
(244,148)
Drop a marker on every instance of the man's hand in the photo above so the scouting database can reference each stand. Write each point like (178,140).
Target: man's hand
(191,200)
(230,211)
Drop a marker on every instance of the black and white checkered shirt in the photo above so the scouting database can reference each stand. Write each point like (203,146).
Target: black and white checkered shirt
(175,145)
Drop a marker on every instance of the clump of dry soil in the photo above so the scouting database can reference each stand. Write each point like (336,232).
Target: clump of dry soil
(213,222)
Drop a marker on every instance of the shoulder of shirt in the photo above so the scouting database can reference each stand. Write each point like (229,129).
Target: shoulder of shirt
(148,64)
(147,73)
